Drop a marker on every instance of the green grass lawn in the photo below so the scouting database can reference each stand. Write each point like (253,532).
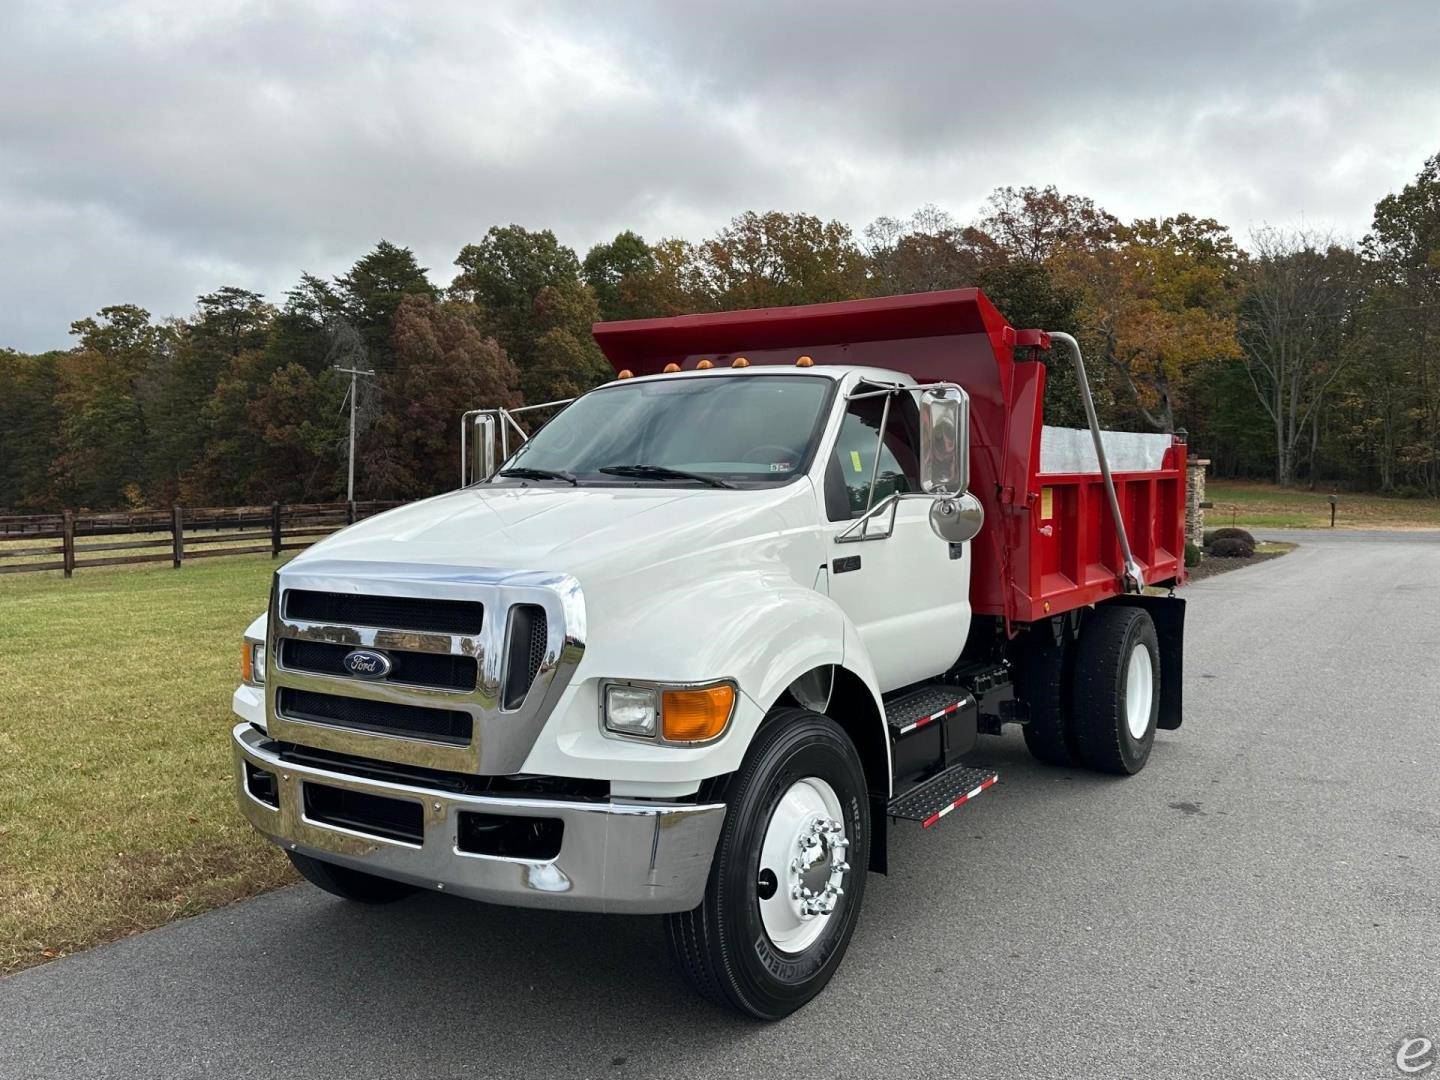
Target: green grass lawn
(1247,503)
(116,805)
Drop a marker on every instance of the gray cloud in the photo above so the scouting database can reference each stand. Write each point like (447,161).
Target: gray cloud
(150,151)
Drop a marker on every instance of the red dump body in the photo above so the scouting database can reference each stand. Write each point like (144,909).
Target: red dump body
(1049,543)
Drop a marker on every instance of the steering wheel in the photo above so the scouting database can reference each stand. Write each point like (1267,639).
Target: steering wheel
(769,450)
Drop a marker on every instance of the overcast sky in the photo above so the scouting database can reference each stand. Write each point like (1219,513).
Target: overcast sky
(152,151)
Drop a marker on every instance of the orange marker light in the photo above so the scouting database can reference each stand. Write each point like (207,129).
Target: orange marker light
(805,361)
(247,670)
(739,361)
(704,365)
(671,368)
(626,374)
(696,715)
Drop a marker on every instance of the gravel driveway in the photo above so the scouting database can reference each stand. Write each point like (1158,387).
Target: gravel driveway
(1264,900)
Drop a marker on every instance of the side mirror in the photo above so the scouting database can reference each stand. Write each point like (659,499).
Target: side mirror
(944,441)
(482,449)
(958,520)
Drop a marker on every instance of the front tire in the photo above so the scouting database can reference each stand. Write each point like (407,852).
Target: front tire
(1116,689)
(348,884)
(788,875)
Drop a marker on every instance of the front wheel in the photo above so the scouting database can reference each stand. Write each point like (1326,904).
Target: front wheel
(788,875)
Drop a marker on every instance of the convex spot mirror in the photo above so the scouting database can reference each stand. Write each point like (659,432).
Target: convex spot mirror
(957,520)
(944,441)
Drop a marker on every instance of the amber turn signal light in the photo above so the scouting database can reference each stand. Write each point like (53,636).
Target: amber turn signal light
(247,668)
(696,715)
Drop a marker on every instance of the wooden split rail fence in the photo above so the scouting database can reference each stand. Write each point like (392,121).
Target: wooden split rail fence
(71,541)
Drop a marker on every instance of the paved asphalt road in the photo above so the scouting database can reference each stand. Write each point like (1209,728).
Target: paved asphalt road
(1264,900)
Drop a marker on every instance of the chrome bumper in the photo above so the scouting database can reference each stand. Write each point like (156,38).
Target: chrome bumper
(614,856)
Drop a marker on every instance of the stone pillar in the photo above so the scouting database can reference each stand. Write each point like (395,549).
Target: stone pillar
(1194,496)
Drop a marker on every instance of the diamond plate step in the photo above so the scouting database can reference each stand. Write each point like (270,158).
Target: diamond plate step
(914,711)
(936,797)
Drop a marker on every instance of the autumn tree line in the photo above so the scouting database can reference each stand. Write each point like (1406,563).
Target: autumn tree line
(1293,355)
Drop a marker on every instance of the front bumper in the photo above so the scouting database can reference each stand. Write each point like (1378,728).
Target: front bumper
(615,856)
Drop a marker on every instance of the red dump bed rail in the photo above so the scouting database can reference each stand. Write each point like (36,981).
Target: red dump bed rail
(1049,542)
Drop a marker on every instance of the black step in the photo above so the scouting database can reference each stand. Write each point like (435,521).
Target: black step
(981,677)
(927,803)
(924,706)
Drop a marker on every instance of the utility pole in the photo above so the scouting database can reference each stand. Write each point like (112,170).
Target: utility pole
(354,374)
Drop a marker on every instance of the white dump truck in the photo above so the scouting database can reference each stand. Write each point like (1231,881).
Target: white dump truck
(693,645)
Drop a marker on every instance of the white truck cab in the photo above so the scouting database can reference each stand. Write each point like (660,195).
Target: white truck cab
(662,659)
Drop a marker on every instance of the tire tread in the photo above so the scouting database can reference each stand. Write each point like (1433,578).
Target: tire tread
(698,939)
(1049,733)
(1099,659)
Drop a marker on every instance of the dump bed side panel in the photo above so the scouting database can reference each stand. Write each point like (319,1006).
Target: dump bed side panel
(1073,555)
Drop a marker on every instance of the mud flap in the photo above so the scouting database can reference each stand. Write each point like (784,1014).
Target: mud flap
(1168,615)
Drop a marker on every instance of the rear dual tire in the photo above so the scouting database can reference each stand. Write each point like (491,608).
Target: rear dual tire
(1042,679)
(1116,689)
(1095,703)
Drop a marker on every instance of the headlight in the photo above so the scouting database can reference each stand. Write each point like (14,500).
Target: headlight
(630,710)
(685,715)
(252,663)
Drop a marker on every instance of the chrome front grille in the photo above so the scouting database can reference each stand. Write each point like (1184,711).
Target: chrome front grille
(478,660)
(394,612)
(439,671)
(382,717)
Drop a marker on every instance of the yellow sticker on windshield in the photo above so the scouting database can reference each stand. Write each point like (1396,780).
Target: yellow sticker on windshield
(855,460)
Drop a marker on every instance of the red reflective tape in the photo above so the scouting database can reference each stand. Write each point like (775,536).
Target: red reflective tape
(961,801)
(918,724)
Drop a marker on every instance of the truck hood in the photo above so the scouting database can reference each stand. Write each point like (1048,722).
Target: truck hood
(555,529)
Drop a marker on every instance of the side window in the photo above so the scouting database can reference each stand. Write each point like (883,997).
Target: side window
(847,479)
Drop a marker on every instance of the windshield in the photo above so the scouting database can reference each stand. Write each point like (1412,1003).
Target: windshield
(733,430)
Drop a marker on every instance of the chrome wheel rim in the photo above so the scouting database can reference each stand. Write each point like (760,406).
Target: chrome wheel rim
(1139,690)
(801,875)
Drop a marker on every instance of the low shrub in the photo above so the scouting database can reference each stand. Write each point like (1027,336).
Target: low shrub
(1229,534)
(1232,547)
(1192,554)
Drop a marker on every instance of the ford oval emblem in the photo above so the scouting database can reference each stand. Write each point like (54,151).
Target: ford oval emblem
(367,664)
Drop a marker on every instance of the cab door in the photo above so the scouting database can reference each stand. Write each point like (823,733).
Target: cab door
(906,590)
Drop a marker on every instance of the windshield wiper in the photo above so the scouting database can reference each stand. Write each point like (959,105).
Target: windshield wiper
(525,472)
(664,472)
